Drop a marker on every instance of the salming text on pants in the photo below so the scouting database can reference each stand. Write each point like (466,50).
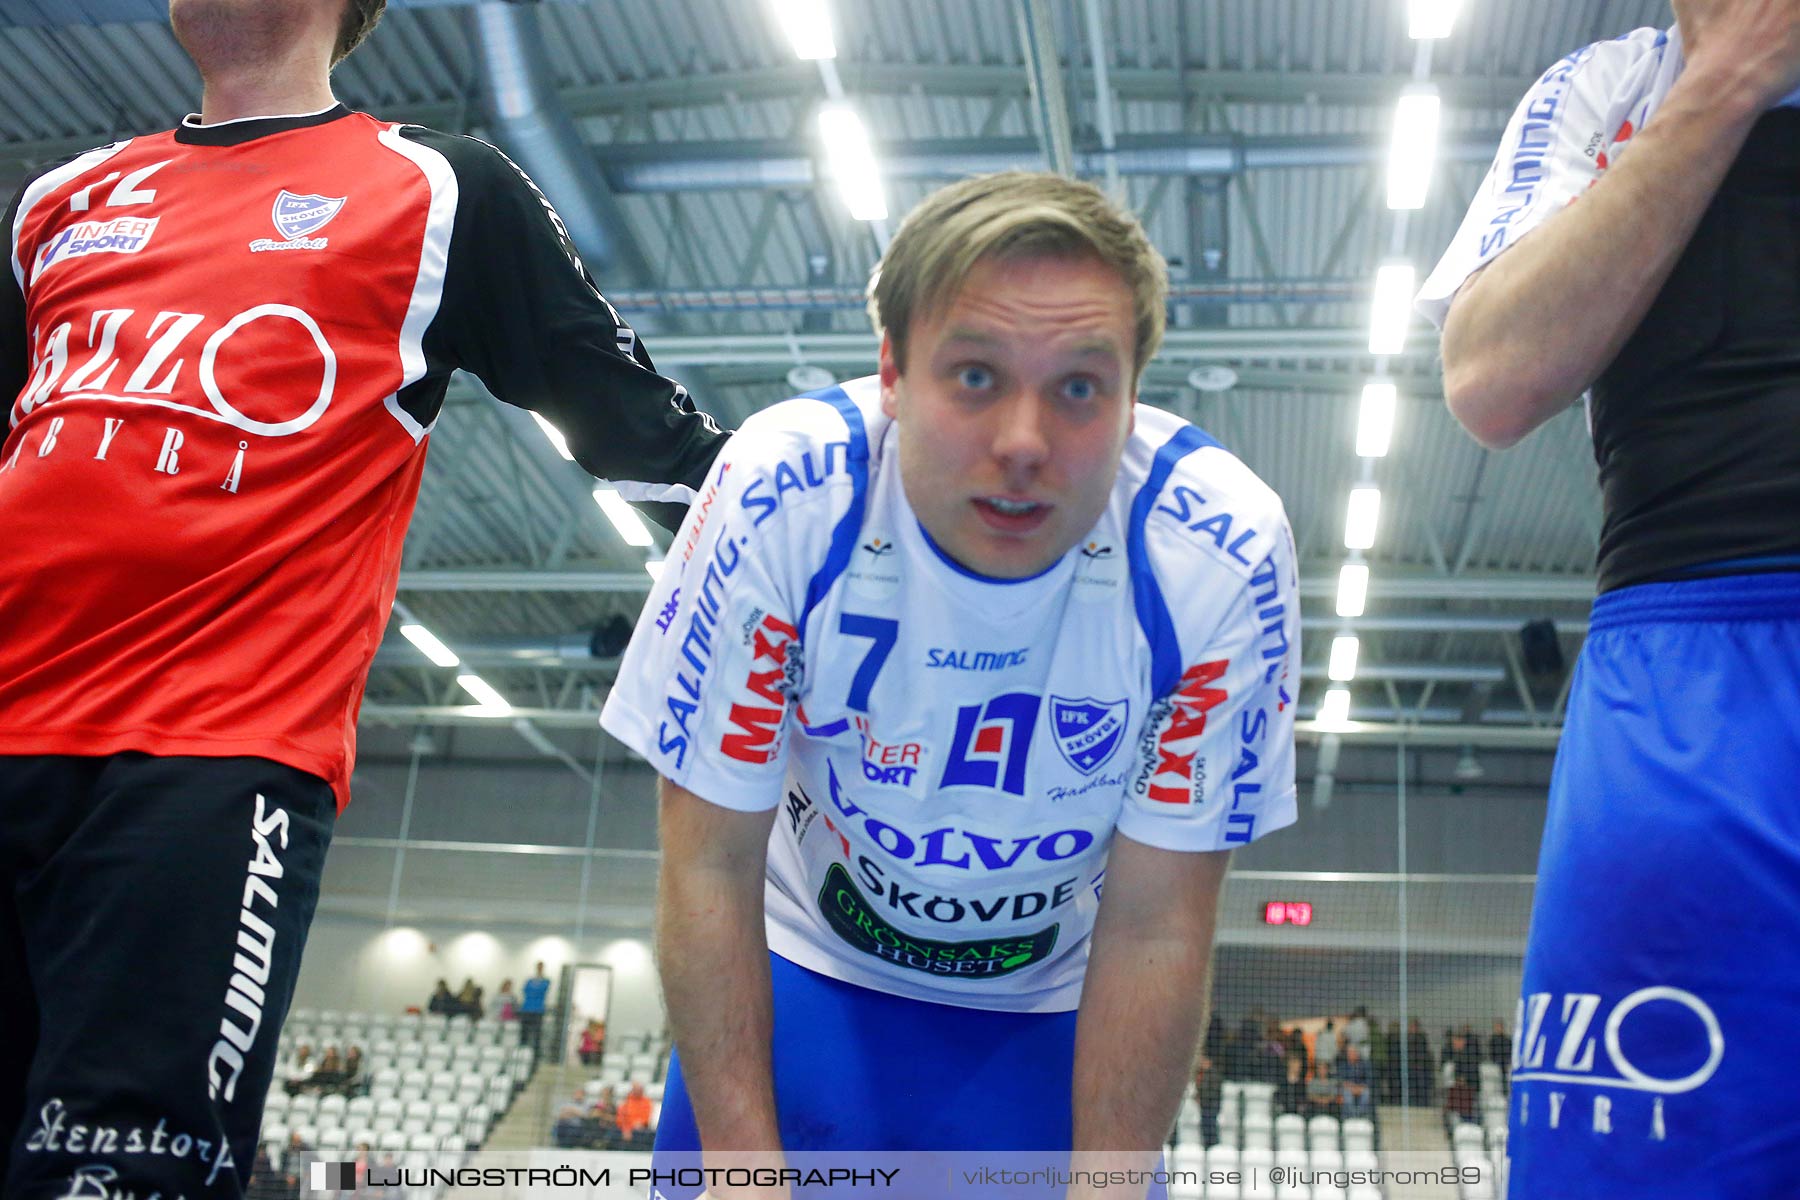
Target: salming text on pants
(152,917)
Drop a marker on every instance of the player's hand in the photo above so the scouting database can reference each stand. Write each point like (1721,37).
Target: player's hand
(1752,43)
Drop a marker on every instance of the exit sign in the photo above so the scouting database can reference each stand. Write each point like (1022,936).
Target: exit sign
(1287,912)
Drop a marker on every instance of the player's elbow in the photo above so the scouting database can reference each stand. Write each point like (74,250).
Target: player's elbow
(1496,405)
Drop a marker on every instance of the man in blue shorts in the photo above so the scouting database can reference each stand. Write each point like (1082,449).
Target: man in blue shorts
(937,650)
(1665,939)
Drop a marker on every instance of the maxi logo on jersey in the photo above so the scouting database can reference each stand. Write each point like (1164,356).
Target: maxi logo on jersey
(1088,731)
(1172,738)
(758,721)
(992,743)
(855,920)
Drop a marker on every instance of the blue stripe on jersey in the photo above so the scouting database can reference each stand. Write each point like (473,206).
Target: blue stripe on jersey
(843,538)
(1152,613)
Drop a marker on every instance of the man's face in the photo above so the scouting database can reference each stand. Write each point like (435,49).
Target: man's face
(1014,404)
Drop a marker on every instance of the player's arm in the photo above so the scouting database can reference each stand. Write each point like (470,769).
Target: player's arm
(714,959)
(521,312)
(1145,998)
(1529,332)
(14,341)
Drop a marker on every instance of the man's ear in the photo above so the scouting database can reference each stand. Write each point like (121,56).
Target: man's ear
(890,377)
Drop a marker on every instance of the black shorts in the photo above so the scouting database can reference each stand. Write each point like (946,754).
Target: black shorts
(152,917)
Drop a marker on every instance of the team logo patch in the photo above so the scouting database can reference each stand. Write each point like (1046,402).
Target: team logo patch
(303,216)
(1088,731)
(296,219)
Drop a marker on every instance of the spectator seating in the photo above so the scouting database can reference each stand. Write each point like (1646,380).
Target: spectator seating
(433,1086)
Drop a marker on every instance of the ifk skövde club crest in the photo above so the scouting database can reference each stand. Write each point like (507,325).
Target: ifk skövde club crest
(1087,730)
(302,216)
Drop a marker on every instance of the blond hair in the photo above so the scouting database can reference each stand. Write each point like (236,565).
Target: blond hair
(1009,215)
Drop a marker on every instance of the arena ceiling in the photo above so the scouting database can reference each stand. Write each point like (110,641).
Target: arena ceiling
(1250,136)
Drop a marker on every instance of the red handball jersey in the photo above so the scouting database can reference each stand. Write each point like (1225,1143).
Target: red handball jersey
(228,346)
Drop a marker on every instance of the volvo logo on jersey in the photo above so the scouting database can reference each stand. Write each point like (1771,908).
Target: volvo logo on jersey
(297,218)
(1088,730)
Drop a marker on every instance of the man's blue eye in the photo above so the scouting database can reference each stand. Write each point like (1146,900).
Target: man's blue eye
(1080,389)
(975,378)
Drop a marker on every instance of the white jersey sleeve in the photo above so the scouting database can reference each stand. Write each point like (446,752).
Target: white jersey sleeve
(1561,138)
(1215,764)
(708,684)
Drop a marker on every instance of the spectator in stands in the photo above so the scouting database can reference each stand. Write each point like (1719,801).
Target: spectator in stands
(1357,1083)
(1356,1031)
(531,1008)
(1209,1094)
(1267,1065)
(353,1072)
(1500,1048)
(634,1115)
(571,1130)
(592,1045)
(330,1075)
(1378,1061)
(294,1155)
(442,1002)
(267,1183)
(605,1115)
(1468,1058)
(1459,1102)
(1419,1064)
(1325,1048)
(468,1000)
(1389,1071)
(506,1002)
(1214,1045)
(1290,1093)
(1321,1095)
(298,1068)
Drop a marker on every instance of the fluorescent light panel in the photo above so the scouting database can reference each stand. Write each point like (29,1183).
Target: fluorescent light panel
(1428,20)
(624,518)
(1343,658)
(1413,151)
(1364,513)
(557,440)
(1353,590)
(1394,288)
(851,161)
(807,24)
(429,646)
(1335,711)
(1375,420)
(655,568)
(493,702)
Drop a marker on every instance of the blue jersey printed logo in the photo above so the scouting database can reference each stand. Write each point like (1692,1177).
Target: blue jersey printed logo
(1088,730)
(991,744)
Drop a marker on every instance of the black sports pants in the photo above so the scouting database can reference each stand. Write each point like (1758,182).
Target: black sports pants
(152,916)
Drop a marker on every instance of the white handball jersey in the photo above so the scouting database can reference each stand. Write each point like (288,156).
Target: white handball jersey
(1571,126)
(951,754)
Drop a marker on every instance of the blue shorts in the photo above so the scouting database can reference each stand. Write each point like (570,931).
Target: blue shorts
(860,1070)
(1663,970)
